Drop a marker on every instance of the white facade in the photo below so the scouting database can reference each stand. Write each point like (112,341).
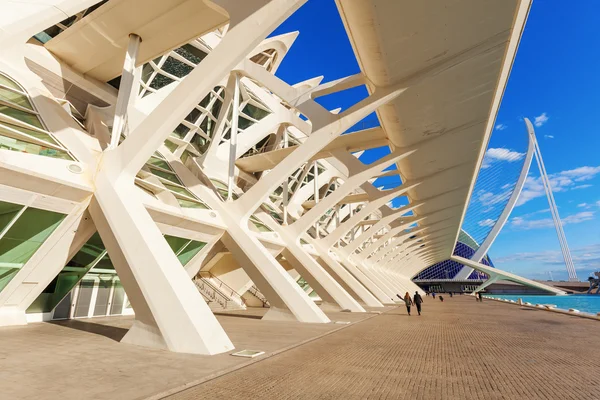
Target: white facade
(204,177)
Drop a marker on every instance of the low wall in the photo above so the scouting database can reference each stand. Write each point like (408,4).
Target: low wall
(547,307)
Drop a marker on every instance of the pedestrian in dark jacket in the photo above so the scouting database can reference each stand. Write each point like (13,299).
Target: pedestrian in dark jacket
(418,300)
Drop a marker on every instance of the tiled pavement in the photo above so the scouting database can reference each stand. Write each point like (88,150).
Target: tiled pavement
(458,349)
(83,359)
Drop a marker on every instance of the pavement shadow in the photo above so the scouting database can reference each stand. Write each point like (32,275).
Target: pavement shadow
(111,332)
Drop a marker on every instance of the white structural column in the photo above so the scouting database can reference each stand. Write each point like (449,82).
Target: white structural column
(320,280)
(286,298)
(170,312)
(235,114)
(350,272)
(128,89)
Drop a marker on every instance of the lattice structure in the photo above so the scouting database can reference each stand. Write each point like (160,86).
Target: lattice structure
(448,269)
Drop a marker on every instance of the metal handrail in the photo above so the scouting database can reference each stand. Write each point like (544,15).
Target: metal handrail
(221,285)
(256,293)
(217,296)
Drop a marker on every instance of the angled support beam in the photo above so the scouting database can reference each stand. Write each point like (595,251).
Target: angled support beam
(327,128)
(373,205)
(249,25)
(351,183)
(495,273)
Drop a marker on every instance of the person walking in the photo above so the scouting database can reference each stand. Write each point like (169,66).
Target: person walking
(433,295)
(408,301)
(418,300)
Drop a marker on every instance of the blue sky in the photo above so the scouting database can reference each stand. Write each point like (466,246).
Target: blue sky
(555,82)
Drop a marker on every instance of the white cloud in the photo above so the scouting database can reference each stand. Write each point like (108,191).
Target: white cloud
(487,222)
(489,199)
(585,259)
(582,187)
(500,154)
(560,182)
(522,223)
(501,127)
(549,136)
(503,154)
(540,120)
(587,206)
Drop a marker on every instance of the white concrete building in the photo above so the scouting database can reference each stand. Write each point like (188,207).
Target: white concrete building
(152,163)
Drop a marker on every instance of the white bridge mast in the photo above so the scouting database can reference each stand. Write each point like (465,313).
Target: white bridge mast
(553,208)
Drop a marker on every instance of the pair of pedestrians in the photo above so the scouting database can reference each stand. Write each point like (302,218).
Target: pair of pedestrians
(417,301)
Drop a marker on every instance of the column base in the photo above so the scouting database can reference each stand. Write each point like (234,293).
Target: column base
(12,316)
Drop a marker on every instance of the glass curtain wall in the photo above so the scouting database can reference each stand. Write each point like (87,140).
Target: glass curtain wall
(21,128)
(93,260)
(22,231)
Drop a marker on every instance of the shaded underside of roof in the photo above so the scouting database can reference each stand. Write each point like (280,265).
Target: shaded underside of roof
(454,57)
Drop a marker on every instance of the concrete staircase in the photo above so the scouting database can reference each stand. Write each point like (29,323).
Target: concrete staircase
(217,294)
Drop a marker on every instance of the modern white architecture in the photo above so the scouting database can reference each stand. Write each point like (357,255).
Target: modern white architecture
(152,162)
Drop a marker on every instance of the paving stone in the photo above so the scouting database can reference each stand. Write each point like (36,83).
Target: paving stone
(459,349)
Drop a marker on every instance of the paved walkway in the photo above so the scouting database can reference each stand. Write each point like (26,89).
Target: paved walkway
(458,349)
(83,359)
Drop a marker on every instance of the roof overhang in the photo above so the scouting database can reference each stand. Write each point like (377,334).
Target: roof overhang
(96,45)
(455,59)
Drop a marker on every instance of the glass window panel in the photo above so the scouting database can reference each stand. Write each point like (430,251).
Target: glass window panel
(186,155)
(191,53)
(24,116)
(193,115)
(147,71)
(244,123)
(255,112)
(259,225)
(160,81)
(176,243)
(190,251)
(23,239)
(159,163)
(200,143)
(165,175)
(178,189)
(171,146)
(181,131)
(15,98)
(38,135)
(8,143)
(176,67)
(208,126)
(192,204)
(205,101)
(216,108)
(90,251)
(70,275)
(8,211)
(6,81)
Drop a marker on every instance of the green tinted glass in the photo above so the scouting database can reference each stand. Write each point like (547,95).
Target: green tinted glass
(22,240)
(24,116)
(36,134)
(15,98)
(190,251)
